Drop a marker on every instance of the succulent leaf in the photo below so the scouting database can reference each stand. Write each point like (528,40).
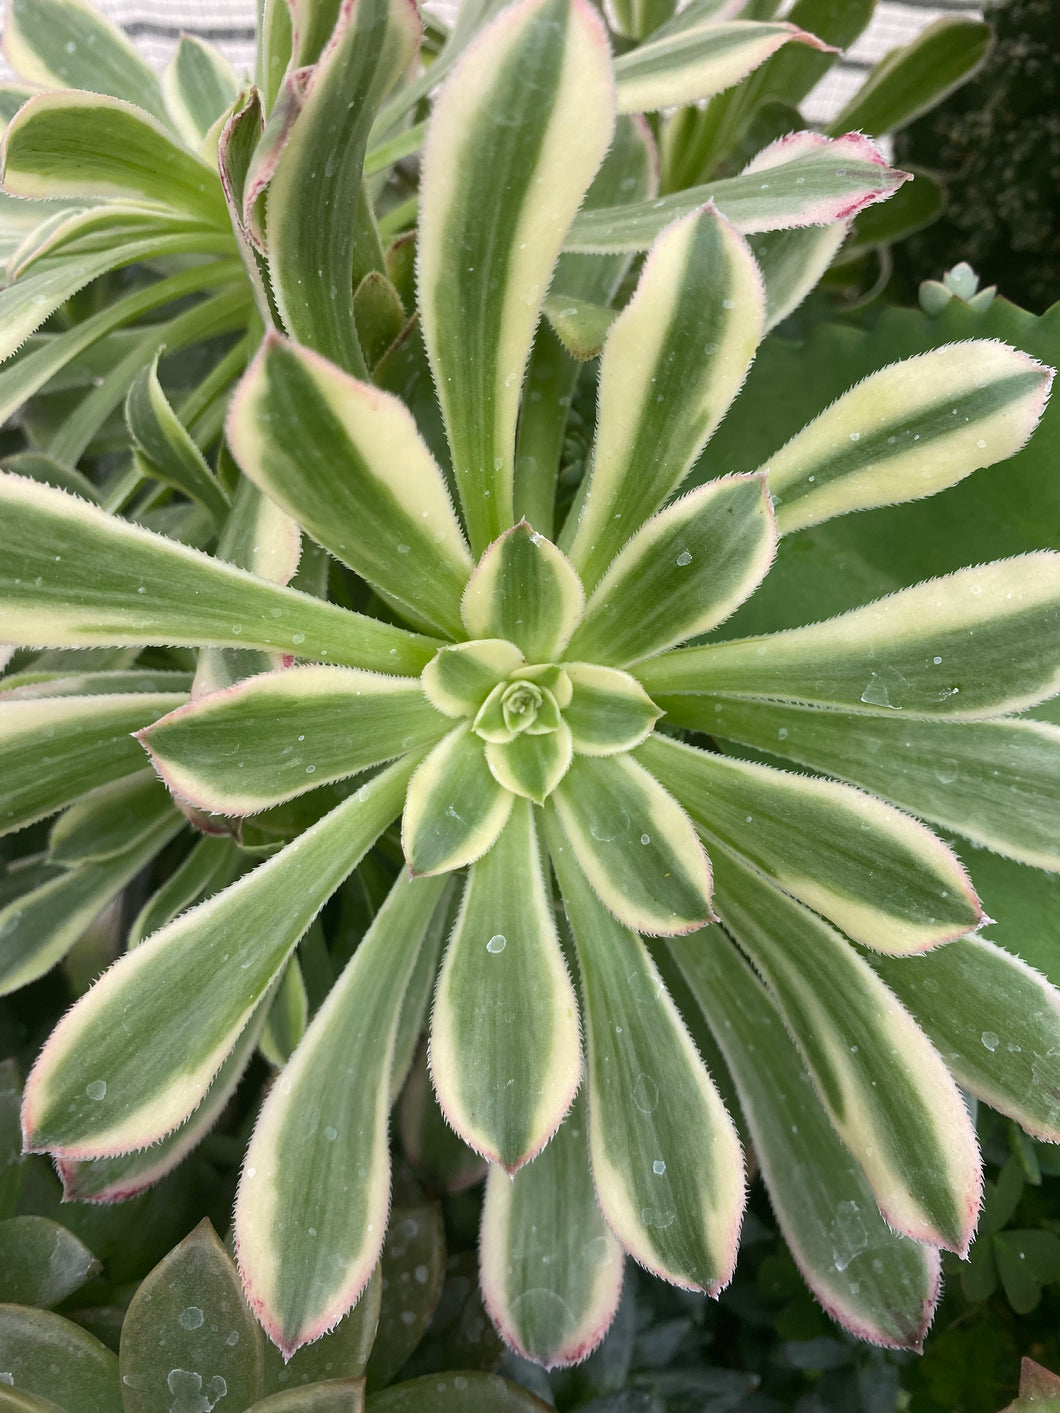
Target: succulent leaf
(525,591)
(911,1134)
(609,711)
(484,264)
(551,1269)
(878,1284)
(455,809)
(199,85)
(313,1198)
(665,1157)
(882,877)
(461,677)
(73,576)
(148,1073)
(673,361)
(909,431)
(970,645)
(682,63)
(635,844)
(505,1052)
(682,574)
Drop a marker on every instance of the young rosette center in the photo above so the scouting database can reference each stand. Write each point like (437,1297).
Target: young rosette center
(799,938)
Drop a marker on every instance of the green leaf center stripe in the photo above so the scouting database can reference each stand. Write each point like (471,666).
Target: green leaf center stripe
(526,85)
(911,1133)
(896,438)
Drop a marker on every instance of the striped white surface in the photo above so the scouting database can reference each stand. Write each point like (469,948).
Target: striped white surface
(154,25)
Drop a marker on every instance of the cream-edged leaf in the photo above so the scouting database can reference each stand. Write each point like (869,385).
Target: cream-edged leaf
(682,63)
(994,782)
(164,447)
(609,711)
(314,190)
(505,1052)
(682,574)
(969,645)
(199,85)
(81,144)
(455,808)
(312,1205)
(908,431)
(635,844)
(665,1158)
(994,1020)
(673,362)
(73,576)
(803,179)
(346,461)
(524,590)
(877,1284)
(793,262)
(121,1070)
(461,677)
(531,765)
(887,1091)
(882,877)
(551,1269)
(72,44)
(527,110)
(278,734)
(53,750)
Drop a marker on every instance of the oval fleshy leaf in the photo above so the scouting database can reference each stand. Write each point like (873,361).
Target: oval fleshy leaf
(346,461)
(994,1020)
(199,86)
(682,63)
(181,1320)
(889,1096)
(665,1157)
(812,181)
(72,44)
(472,1392)
(551,1283)
(531,765)
(87,145)
(58,1362)
(73,576)
(314,193)
(505,1053)
(120,1071)
(460,678)
(312,1205)
(972,644)
(673,362)
(683,573)
(877,1284)
(635,844)
(525,591)
(54,750)
(529,110)
(41,1263)
(882,877)
(909,431)
(455,808)
(609,711)
(274,736)
(994,782)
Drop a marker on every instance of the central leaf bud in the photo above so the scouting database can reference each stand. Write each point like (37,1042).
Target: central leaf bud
(519,703)
(530,702)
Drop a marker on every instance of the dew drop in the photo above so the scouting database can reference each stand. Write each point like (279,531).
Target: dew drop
(191,1317)
(684,558)
(646,1094)
(645,838)
(855,436)
(96,1089)
(658,1167)
(989,1039)
(331,1133)
(497,943)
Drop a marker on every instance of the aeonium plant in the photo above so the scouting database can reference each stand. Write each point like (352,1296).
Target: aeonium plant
(542,708)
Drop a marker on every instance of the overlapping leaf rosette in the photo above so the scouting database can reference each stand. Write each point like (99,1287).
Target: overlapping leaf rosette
(541,710)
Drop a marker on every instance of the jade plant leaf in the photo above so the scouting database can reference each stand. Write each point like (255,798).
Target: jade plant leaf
(58,1362)
(41,1263)
(188,1331)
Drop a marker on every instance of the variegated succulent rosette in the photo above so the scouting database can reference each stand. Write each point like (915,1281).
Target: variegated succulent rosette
(541,706)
